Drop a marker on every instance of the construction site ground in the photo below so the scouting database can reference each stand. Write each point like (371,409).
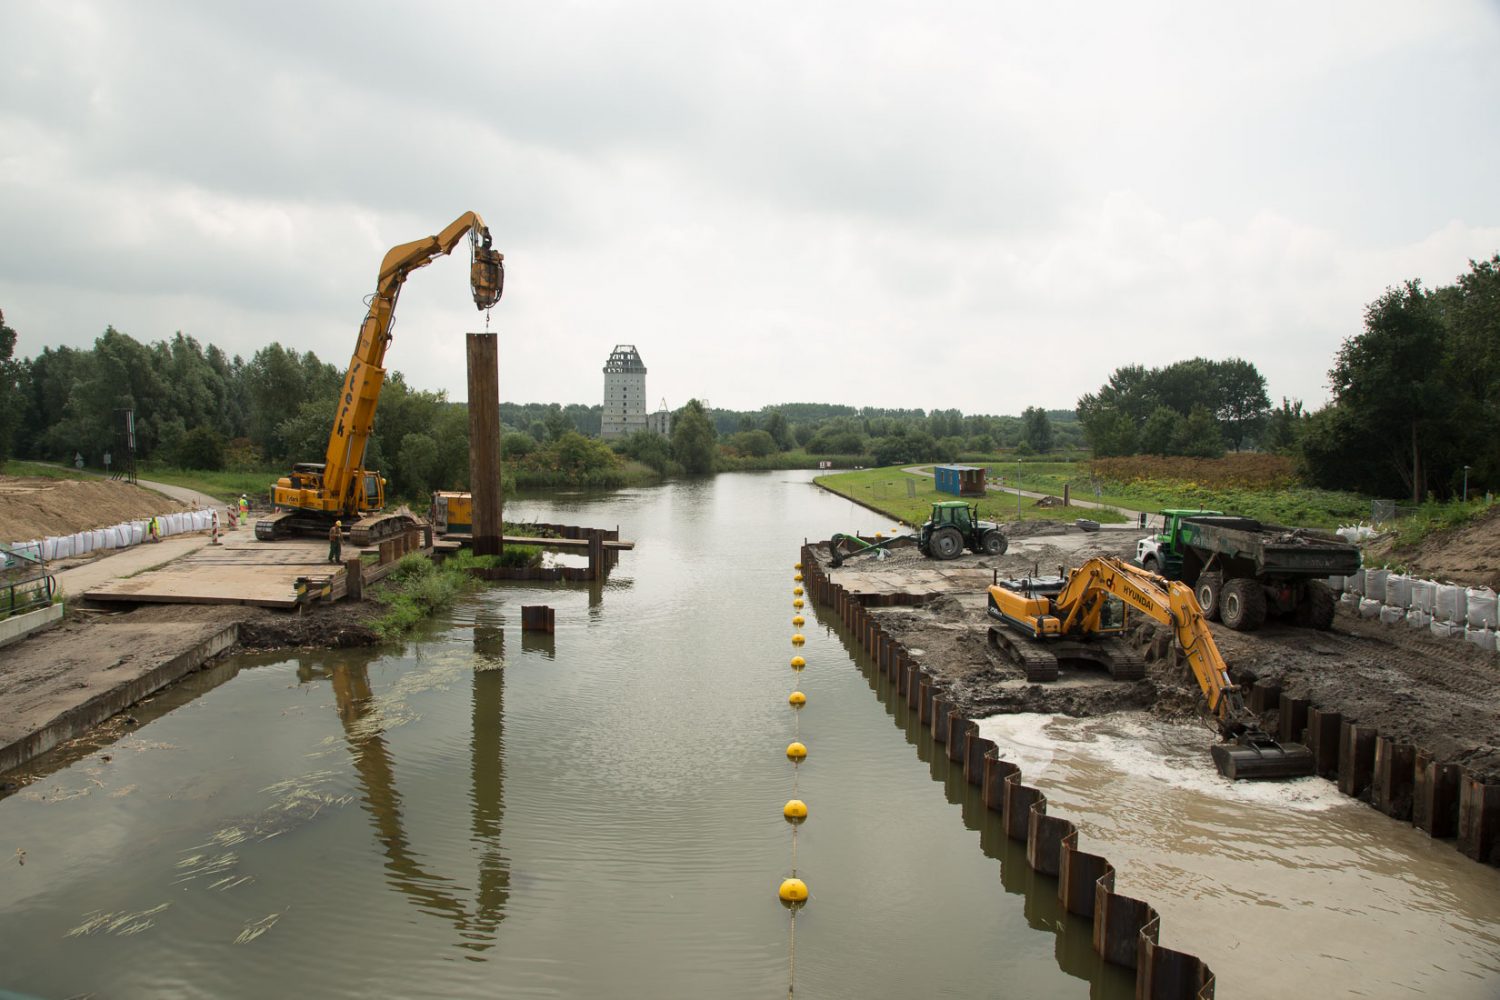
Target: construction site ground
(105,656)
(1441,695)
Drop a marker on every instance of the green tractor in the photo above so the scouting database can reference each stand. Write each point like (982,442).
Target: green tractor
(955,526)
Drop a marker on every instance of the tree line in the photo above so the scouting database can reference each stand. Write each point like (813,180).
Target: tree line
(1415,407)
(197,407)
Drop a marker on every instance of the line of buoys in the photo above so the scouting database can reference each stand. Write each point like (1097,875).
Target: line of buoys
(793,892)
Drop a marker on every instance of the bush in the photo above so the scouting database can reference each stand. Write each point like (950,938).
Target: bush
(201,448)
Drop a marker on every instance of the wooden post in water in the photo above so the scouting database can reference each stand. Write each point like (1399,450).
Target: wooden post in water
(484,442)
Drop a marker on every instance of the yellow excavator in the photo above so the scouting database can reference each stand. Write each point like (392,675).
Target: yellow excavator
(340,488)
(1088,606)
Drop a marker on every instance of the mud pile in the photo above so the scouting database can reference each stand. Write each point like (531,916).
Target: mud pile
(36,508)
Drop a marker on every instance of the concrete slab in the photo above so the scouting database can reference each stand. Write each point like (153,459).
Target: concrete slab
(240,570)
(17,627)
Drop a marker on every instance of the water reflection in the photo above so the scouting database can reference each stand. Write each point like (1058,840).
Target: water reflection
(1074,948)
(476,920)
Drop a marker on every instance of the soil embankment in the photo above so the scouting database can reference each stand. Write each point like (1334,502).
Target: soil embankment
(32,508)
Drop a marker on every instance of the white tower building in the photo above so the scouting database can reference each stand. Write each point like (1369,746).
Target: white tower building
(624,393)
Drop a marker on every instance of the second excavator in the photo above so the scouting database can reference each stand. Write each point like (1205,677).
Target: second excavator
(1088,605)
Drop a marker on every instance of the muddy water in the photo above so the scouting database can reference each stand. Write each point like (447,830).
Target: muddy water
(1290,888)
(481,813)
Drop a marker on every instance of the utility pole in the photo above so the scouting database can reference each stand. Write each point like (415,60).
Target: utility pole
(1466,484)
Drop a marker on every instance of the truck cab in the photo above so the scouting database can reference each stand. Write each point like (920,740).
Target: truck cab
(1162,553)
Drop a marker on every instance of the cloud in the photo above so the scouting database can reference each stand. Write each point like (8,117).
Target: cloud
(971,205)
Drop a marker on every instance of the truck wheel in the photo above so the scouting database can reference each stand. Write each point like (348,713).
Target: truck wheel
(946,543)
(1207,591)
(994,542)
(1150,565)
(1317,606)
(1242,604)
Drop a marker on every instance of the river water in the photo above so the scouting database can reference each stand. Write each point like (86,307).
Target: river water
(597,813)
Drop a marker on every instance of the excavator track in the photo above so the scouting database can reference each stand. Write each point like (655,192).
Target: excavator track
(1040,661)
(376,528)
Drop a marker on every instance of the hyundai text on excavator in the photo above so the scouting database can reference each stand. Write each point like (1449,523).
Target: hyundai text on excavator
(340,488)
(1089,605)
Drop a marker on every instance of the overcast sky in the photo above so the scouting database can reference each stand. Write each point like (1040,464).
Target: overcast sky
(978,205)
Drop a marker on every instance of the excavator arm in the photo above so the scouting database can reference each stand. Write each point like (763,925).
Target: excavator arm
(355,417)
(1170,603)
(1078,609)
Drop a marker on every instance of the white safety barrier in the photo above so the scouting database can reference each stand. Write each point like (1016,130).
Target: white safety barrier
(1481,608)
(116,536)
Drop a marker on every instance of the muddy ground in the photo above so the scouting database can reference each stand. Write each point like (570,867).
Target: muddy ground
(32,508)
(1442,695)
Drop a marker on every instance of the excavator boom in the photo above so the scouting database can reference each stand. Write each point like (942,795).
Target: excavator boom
(1078,610)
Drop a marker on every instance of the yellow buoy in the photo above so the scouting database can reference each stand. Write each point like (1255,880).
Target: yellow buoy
(797,577)
(797,566)
(798,663)
(796,591)
(796,699)
(798,638)
(793,893)
(795,751)
(797,602)
(795,811)
(879,535)
(798,620)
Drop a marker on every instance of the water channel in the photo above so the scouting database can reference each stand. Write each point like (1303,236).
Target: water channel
(476,812)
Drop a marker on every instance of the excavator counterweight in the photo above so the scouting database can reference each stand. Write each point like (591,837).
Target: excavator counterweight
(1084,606)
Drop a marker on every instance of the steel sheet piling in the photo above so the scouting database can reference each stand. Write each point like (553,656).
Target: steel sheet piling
(1356,759)
(1293,719)
(1323,740)
(1395,765)
(1435,796)
(1479,819)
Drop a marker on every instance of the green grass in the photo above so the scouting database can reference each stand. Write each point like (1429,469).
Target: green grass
(1434,516)
(885,490)
(418,586)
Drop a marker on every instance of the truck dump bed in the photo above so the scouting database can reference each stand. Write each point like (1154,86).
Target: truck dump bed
(1276,551)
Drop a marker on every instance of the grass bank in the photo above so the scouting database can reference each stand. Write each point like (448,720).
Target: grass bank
(418,587)
(908,498)
(223,485)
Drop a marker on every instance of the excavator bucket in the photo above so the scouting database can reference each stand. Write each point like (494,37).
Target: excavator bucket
(1257,757)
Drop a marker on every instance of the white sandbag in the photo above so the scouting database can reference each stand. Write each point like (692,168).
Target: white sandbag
(83,543)
(1355,584)
(1370,608)
(1348,597)
(1452,604)
(1481,608)
(1375,584)
(1424,595)
(1482,637)
(1398,590)
(1417,618)
(1446,630)
(1390,615)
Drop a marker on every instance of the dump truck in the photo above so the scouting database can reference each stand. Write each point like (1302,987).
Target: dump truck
(1242,570)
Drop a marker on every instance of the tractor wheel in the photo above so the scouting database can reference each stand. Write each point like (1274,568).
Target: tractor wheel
(946,543)
(1317,606)
(1207,591)
(1242,604)
(994,542)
